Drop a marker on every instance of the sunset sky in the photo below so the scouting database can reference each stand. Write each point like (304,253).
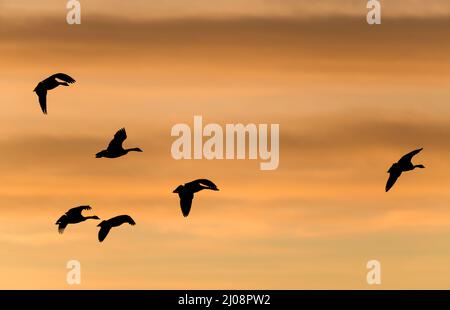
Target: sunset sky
(350,99)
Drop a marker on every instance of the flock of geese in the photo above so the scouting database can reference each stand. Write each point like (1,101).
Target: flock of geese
(185,192)
(115,149)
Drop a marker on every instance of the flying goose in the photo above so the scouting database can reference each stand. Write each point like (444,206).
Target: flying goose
(105,226)
(115,148)
(49,84)
(73,216)
(403,165)
(186,193)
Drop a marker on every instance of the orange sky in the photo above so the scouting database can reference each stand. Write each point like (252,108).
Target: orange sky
(350,99)
(226,8)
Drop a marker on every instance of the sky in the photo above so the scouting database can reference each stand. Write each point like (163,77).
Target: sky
(144,9)
(350,99)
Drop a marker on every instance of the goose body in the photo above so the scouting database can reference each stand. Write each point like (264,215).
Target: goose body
(73,216)
(105,226)
(403,165)
(186,193)
(51,83)
(115,148)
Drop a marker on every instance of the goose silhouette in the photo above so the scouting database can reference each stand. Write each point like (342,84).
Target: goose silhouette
(115,148)
(73,216)
(105,226)
(186,193)
(403,165)
(49,84)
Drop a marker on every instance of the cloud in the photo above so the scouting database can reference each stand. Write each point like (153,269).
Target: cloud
(326,36)
(350,99)
(141,9)
(355,132)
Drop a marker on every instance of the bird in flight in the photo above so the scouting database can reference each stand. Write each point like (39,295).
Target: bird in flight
(115,148)
(73,216)
(49,84)
(186,193)
(105,226)
(403,165)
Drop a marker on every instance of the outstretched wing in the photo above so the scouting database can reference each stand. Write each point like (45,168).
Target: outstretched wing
(408,157)
(62,223)
(205,182)
(124,219)
(116,142)
(185,204)
(394,174)
(42,94)
(77,211)
(103,232)
(63,77)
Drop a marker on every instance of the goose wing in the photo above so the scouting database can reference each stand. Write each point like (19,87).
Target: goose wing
(185,204)
(408,157)
(63,77)
(77,211)
(103,232)
(62,223)
(41,92)
(207,182)
(204,182)
(116,142)
(121,219)
(394,174)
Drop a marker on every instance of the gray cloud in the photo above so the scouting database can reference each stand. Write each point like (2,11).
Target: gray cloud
(280,33)
(346,135)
